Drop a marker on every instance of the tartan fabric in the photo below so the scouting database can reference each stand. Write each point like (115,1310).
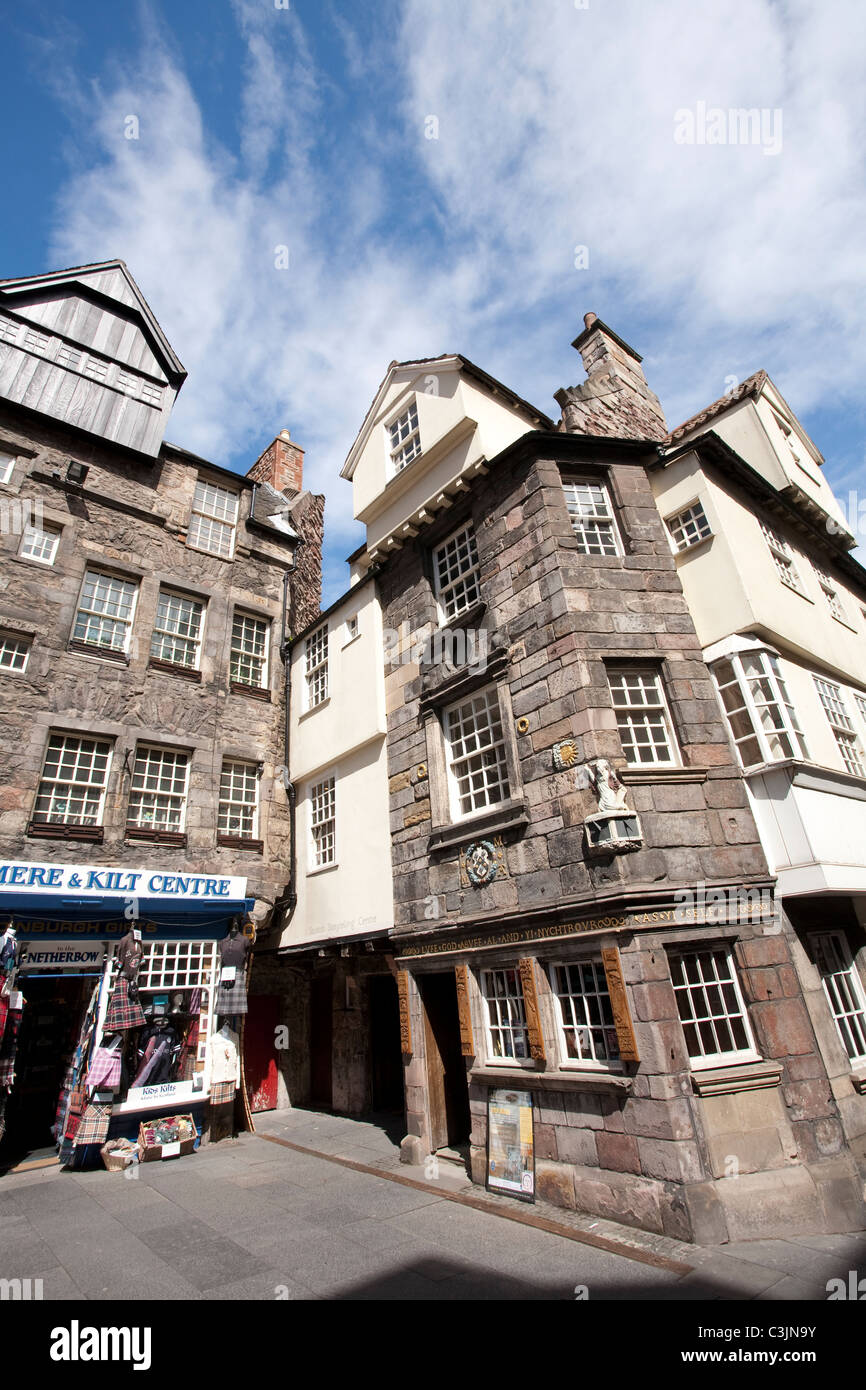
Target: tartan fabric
(4,1009)
(222,1093)
(123,1013)
(94,1124)
(9,1046)
(232,999)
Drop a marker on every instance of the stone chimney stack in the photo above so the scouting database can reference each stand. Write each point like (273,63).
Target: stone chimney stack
(615,399)
(281,465)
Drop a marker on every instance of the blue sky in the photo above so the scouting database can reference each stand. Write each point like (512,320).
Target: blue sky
(307,125)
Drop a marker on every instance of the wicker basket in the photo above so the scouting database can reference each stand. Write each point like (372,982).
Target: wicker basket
(117,1159)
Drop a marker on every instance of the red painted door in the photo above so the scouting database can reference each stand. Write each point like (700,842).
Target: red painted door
(260,1054)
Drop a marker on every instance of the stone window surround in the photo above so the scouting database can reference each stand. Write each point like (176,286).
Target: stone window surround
(617,663)
(594,470)
(79,645)
(491,818)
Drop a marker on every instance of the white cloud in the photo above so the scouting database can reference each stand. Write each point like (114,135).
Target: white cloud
(555,129)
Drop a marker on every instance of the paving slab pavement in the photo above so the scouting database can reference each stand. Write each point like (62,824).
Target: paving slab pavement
(319,1207)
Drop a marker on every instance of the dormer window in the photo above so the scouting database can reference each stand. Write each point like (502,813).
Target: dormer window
(405,439)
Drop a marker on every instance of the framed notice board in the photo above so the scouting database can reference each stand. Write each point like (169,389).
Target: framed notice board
(511,1144)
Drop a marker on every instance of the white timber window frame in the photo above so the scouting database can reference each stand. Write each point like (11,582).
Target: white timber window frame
(782,558)
(643,718)
(506,1028)
(316,681)
(105,611)
(592,516)
(238,809)
(15,648)
(7,467)
(843,989)
(584,1015)
(758,709)
(456,573)
(476,753)
(830,591)
(213,519)
(250,640)
(39,542)
(159,789)
(689,526)
(404,439)
(178,629)
(323,824)
(840,722)
(711,1009)
(73,780)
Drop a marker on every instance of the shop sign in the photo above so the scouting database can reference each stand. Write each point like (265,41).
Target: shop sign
(92,881)
(511,1144)
(62,955)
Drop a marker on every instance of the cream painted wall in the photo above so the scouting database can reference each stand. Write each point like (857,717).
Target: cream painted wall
(354,712)
(459,423)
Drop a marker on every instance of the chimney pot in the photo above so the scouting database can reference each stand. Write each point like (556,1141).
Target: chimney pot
(589,319)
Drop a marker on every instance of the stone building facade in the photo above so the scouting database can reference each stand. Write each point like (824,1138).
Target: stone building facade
(583,909)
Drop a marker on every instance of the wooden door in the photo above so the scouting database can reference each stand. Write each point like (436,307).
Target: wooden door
(260,1058)
(447,1087)
(321,1039)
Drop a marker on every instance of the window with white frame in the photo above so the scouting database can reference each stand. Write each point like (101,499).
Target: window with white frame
(585,1014)
(248,663)
(323,823)
(177,630)
(352,628)
(213,519)
(14,651)
(830,592)
(74,777)
(477,763)
(455,566)
(239,799)
(105,611)
(592,519)
(157,798)
(508,1036)
(758,708)
(782,557)
(860,701)
(316,666)
(405,439)
(840,722)
(689,527)
(188,966)
(7,464)
(711,1008)
(40,543)
(643,719)
(844,990)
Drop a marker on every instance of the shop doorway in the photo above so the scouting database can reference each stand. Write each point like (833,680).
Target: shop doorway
(386,1060)
(321,1039)
(260,1058)
(50,1026)
(447,1088)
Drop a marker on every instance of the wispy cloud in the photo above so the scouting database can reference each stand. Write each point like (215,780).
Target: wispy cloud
(555,129)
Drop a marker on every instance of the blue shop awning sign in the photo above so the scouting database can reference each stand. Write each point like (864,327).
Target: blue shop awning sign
(83,900)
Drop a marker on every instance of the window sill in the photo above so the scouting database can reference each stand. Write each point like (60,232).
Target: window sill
(605,1082)
(240,842)
(200,550)
(171,668)
(702,544)
(755,1075)
(349,640)
(120,658)
(156,837)
(510,815)
(256,692)
(465,619)
(46,830)
(323,869)
(315,709)
(858,1081)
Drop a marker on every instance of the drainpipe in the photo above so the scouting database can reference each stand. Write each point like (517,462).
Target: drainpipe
(289,898)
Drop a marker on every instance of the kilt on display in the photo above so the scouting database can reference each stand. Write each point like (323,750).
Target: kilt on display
(222,1092)
(123,1012)
(232,998)
(93,1128)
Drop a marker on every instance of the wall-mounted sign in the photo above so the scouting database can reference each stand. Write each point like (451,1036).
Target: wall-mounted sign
(62,955)
(511,1144)
(84,880)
